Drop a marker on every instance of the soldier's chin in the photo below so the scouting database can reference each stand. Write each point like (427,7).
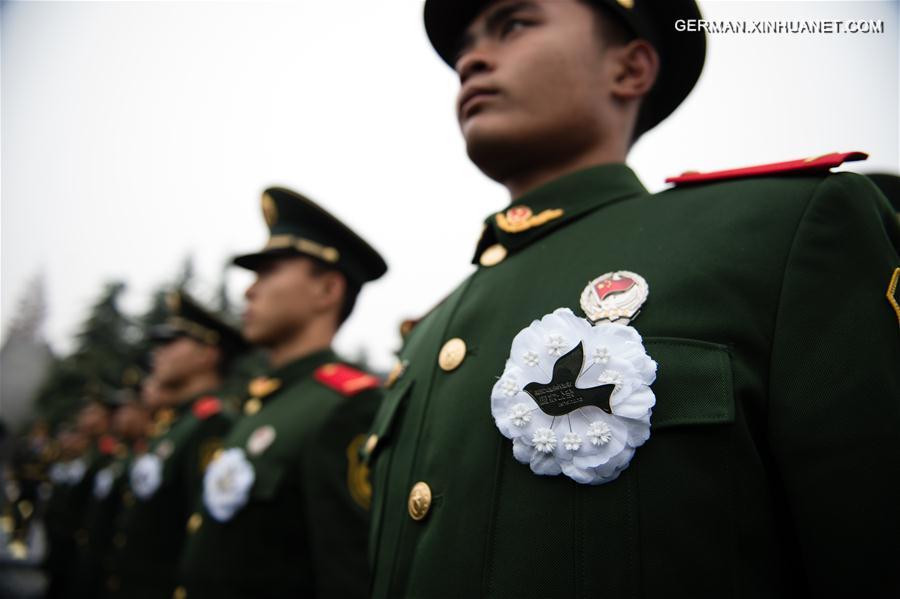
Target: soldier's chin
(494,150)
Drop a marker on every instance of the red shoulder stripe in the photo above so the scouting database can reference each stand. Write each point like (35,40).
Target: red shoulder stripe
(821,163)
(344,379)
(207,406)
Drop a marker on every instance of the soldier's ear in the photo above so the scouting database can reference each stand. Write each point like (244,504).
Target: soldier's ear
(332,287)
(635,66)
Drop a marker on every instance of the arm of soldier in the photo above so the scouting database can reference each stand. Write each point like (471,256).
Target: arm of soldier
(834,413)
(338,495)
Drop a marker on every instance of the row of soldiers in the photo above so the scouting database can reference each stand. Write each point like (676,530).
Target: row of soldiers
(689,393)
(180,489)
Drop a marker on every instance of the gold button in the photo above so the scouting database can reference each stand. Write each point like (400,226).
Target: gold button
(493,255)
(194,522)
(119,540)
(452,354)
(252,406)
(180,593)
(419,501)
(112,583)
(128,498)
(81,536)
(371,442)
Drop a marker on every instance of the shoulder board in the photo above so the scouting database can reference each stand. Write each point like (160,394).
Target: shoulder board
(206,406)
(804,165)
(107,445)
(344,379)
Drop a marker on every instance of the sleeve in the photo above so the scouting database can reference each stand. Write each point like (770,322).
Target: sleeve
(834,411)
(338,492)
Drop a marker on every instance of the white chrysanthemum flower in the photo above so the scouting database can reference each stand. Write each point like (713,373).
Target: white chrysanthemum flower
(555,345)
(599,433)
(608,431)
(531,358)
(508,386)
(572,441)
(544,440)
(601,356)
(520,415)
(610,377)
(227,484)
(103,482)
(75,471)
(146,475)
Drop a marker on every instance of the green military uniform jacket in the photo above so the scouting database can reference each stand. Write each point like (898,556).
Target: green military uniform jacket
(772,464)
(299,528)
(157,500)
(98,524)
(64,514)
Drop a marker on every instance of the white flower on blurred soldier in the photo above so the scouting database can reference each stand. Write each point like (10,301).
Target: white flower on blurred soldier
(146,475)
(75,471)
(103,482)
(227,484)
(612,354)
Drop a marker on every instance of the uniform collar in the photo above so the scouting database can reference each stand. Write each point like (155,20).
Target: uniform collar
(554,205)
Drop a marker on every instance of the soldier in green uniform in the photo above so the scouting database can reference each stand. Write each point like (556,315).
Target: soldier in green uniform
(285,506)
(129,428)
(88,448)
(693,393)
(195,349)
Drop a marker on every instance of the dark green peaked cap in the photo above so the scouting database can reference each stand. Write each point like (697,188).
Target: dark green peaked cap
(187,318)
(298,226)
(681,53)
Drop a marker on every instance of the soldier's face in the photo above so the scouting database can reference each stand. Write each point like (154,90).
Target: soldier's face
(93,420)
(181,358)
(285,298)
(534,79)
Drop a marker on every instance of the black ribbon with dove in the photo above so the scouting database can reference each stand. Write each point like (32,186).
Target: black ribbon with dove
(560,396)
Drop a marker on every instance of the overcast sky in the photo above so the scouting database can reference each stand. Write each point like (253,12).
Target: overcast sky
(136,133)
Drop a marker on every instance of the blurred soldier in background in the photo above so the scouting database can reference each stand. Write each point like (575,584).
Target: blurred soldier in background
(285,506)
(130,424)
(194,350)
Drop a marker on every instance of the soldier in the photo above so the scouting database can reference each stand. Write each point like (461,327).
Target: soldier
(194,350)
(285,506)
(634,394)
(129,428)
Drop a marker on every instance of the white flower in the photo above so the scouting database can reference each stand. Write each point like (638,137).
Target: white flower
(227,484)
(597,441)
(555,345)
(146,475)
(610,377)
(508,386)
(544,440)
(103,482)
(520,415)
(599,433)
(57,473)
(531,358)
(572,441)
(601,356)
(75,471)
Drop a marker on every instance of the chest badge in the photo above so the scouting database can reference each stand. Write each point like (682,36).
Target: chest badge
(575,398)
(260,439)
(615,296)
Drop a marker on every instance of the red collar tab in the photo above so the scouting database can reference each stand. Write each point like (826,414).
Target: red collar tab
(817,164)
(344,379)
(207,406)
(107,445)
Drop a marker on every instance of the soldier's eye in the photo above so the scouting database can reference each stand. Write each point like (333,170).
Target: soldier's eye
(512,25)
